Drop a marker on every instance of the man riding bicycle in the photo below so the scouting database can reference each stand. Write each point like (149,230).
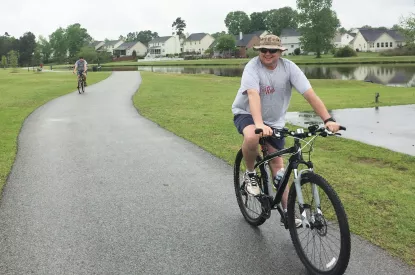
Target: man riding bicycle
(80,68)
(262,102)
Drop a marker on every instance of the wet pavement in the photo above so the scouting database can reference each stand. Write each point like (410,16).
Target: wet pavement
(388,127)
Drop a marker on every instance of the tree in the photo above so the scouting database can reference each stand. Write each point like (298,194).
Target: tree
(318,25)
(3,62)
(89,54)
(396,27)
(13,60)
(258,21)
(142,36)
(134,54)
(180,25)
(342,30)
(27,45)
(279,19)
(408,28)
(237,21)
(45,49)
(366,27)
(76,38)
(217,34)
(226,42)
(59,44)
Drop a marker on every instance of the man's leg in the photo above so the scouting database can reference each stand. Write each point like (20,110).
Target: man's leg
(276,164)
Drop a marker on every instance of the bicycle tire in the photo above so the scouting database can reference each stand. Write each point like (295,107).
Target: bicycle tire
(260,219)
(83,86)
(79,86)
(342,261)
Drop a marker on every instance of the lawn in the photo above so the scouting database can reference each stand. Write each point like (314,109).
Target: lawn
(379,205)
(20,94)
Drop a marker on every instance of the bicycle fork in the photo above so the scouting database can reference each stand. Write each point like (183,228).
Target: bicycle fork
(302,206)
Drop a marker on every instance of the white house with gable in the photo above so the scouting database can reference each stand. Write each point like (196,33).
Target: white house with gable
(341,40)
(127,49)
(162,46)
(290,39)
(197,42)
(376,40)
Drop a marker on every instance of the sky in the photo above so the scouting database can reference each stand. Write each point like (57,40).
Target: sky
(110,19)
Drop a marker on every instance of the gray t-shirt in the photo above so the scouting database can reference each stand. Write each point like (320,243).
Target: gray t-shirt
(80,64)
(274,87)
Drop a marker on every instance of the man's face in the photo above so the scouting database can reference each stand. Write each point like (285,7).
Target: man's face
(269,57)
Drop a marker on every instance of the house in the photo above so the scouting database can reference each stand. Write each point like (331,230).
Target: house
(97,44)
(375,40)
(342,40)
(290,39)
(110,45)
(162,46)
(197,42)
(127,48)
(245,42)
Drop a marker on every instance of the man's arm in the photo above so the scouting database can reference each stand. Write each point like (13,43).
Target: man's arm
(255,108)
(76,66)
(320,109)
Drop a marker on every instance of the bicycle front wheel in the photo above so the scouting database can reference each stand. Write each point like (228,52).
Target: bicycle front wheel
(324,247)
(249,205)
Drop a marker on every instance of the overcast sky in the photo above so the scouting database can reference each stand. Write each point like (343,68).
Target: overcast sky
(110,19)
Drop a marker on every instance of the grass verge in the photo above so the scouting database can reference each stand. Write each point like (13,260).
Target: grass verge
(376,185)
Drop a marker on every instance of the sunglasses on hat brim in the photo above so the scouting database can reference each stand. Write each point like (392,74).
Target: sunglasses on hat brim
(265,50)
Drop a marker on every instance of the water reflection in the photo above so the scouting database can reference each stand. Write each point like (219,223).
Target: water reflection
(393,75)
(383,126)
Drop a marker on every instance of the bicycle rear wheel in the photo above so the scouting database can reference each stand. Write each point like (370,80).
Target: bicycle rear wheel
(324,247)
(249,205)
(83,85)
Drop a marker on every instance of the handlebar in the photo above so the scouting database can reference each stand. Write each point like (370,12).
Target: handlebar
(300,133)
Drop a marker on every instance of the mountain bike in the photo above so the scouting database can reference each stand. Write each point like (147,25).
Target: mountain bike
(81,83)
(311,199)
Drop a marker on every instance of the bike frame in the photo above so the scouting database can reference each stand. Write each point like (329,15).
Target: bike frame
(292,167)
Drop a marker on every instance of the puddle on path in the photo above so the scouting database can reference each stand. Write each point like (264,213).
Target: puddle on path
(389,127)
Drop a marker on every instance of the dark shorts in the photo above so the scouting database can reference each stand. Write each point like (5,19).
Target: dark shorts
(243,120)
(80,72)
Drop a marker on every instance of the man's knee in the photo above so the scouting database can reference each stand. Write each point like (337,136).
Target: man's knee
(250,138)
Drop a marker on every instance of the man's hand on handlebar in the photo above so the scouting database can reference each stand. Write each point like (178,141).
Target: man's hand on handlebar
(332,126)
(266,130)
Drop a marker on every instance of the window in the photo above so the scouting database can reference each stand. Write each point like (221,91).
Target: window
(381,45)
(377,45)
(390,44)
(386,44)
(163,44)
(292,46)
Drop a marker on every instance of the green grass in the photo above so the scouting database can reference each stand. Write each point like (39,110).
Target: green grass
(376,185)
(20,94)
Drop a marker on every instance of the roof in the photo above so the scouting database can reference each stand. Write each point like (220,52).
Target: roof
(289,32)
(95,43)
(160,39)
(373,34)
(112,42)
(126,45)
(196,36)
(258,33)
(246,38)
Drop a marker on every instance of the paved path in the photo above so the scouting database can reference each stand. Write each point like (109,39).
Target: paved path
(98,189)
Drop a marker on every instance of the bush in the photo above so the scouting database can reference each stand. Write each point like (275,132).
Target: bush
(297,51)
(250,53)
(403,51)
(345,51)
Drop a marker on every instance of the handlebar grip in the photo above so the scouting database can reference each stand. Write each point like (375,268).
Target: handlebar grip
(342,128)
(258,131)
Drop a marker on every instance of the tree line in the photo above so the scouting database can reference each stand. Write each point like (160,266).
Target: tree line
(314,19)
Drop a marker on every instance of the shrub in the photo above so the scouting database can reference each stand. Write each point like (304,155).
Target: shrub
(251,53)
(345,51)
(297,51)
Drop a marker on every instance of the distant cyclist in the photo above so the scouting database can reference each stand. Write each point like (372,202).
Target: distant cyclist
(80,68)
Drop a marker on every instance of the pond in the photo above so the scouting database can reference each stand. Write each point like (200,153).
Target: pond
(387,74)
(383,126)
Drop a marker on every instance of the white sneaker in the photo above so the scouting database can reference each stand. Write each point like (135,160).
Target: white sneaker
(251,184)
